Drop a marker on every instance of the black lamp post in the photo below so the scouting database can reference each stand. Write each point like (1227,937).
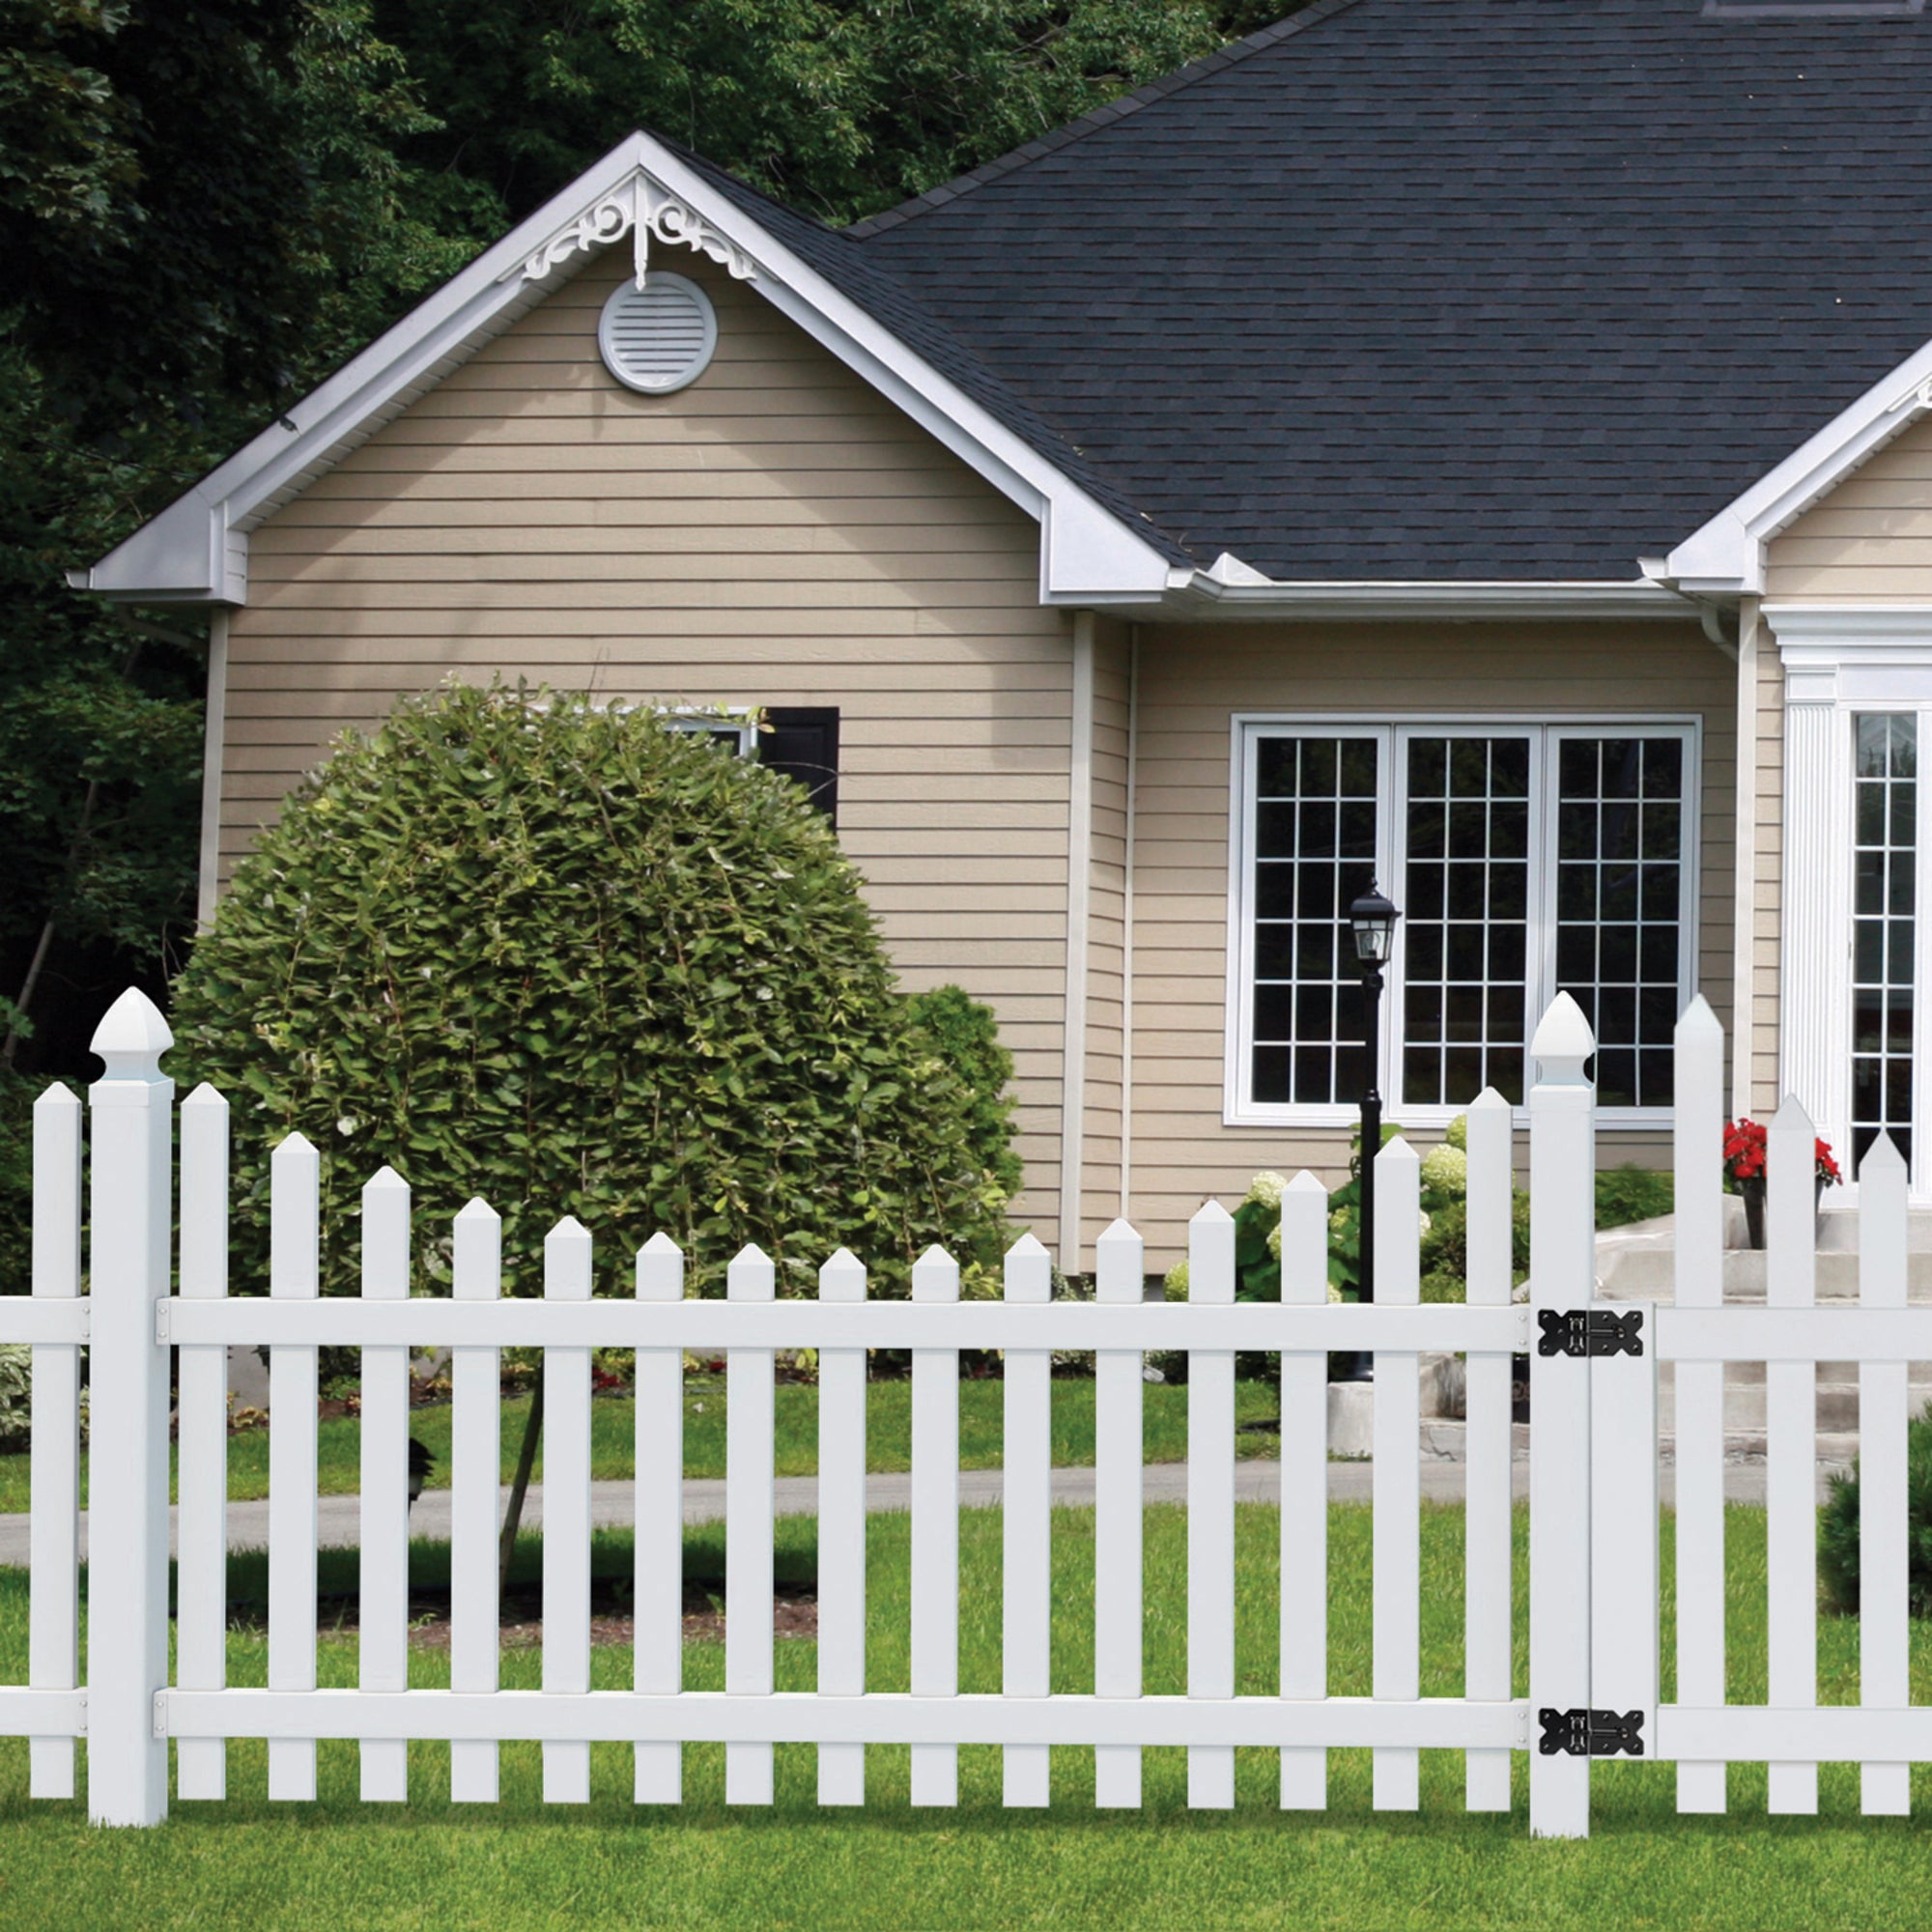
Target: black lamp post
(1373,920)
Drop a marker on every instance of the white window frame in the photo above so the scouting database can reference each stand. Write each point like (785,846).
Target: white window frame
(715,721)
(1393,730)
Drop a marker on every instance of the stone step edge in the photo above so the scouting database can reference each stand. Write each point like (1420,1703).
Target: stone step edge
(1445,1441)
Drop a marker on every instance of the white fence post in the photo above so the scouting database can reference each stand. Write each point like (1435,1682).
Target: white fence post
(1396,1478)
(1562,1272)
(53,1526)
(1698,1388)
(128,1572)
(1791,1448)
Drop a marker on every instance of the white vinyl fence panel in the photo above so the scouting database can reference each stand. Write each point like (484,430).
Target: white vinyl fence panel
(1594,1520)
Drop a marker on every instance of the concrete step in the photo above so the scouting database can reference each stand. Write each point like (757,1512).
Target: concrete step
(1745,1409)
(1839,1374)
(1646,1273)
(1446,1441)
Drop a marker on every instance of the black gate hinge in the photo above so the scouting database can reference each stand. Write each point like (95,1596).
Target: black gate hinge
(1589,1331)
(1584,1733)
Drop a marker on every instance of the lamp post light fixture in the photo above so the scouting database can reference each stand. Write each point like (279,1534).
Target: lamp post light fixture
(1372,918)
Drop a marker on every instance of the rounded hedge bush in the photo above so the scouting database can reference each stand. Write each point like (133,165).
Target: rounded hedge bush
(577,961)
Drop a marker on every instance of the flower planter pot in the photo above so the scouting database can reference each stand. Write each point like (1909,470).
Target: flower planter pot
(1752,1193)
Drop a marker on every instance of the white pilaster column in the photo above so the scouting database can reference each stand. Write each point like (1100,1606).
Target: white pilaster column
(1815,955)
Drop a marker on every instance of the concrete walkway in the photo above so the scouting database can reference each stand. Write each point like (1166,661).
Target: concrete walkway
(339,1517)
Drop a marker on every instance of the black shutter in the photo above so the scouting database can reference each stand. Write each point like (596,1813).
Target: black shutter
(803,743)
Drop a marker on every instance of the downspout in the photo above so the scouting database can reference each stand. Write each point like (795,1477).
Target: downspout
(1079,888)
(1743,934)
(1127,926)
(215,733)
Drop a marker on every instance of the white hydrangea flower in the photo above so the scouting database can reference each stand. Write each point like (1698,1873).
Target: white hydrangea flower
(1422,1217)
(1274,1240)
(1175,1281)
(1445,1170)
(1457,1133)
(1334,1292)
(1338,1221)
(1265,1188)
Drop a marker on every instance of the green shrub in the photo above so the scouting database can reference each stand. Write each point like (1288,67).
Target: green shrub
(1632,1193)
(17,1389)
(1838,1529)
(577,962)
(1445,1247)
(966,1037)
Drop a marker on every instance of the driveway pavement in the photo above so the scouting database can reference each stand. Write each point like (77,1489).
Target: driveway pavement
(338,1518)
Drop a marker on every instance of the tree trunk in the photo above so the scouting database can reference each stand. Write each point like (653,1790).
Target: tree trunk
(526,1461)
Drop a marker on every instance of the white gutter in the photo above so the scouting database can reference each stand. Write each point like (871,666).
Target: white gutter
(1201,595)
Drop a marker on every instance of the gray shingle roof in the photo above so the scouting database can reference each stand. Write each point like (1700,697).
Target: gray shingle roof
(1464,289)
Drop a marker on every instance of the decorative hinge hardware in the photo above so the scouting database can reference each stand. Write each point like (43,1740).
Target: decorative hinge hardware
(1589,1331)
(1583,1733)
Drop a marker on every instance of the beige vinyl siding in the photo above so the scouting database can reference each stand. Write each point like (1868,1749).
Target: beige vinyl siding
(1192,681)
(774,534)
(1870,540)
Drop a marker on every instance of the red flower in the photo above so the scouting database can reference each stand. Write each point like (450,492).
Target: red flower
(1747,1148)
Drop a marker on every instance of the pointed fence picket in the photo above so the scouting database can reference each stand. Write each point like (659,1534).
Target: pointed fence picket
(383,1651)
(201,1626)
(566,1518)
(1594,1591)
(54,1613)
(295,1275)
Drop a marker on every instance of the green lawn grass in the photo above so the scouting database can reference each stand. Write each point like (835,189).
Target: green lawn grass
(612,1433)
(703,1865)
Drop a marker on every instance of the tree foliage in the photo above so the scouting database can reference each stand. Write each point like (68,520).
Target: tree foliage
(578,962)
(205,206)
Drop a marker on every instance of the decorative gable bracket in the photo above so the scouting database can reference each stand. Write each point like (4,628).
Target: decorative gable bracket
(640,207)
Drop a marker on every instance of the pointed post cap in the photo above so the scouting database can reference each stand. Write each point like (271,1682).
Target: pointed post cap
(1028,1244)
(1882,1158)
(1562,1044)
(385,1180)
(1208,1214)
(131,1038)
(1791,1118)
(1399,1153)
(57,1099)
(661,1243)
(206,1097)
(477,1208)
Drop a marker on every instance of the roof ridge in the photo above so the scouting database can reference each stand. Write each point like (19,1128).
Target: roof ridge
(1092,122)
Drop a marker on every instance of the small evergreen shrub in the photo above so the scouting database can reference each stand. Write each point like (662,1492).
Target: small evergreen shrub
(578,962)
(1839,1530)
(1632,1193)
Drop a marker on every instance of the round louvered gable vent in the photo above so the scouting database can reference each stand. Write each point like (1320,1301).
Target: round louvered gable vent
(660,337)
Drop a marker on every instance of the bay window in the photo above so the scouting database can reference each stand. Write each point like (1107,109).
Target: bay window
(1527,859)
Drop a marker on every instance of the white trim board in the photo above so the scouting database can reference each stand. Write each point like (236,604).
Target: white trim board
(1726,555)
(196,550)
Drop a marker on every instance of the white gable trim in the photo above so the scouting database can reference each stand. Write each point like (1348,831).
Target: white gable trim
(196,551)
(1727,554)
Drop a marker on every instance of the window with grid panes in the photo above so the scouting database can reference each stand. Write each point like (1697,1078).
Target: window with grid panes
(1884,842)
(1526,860)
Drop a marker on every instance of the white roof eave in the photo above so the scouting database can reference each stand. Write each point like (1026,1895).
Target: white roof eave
(196,550)
(1726,555)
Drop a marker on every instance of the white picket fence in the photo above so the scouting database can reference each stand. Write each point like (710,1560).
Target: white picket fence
(1593,1606)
